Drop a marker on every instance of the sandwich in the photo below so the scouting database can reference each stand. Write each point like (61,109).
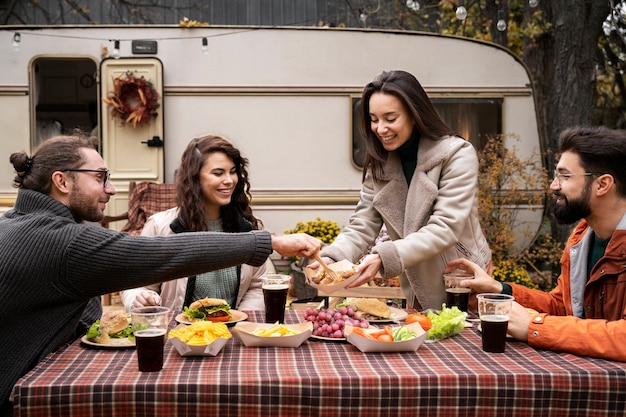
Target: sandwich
(112,325)
(370,308)
(212,309)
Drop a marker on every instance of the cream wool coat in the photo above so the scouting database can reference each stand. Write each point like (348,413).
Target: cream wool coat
(249,297)
(430,223)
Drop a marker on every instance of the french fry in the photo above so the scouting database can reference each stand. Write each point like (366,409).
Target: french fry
(276,330)
(201,333)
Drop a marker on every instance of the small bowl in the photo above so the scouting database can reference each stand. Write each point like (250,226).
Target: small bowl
(368,345)
(243,331)
(212,349)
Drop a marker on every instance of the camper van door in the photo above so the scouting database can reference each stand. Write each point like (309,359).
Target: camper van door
(132,124)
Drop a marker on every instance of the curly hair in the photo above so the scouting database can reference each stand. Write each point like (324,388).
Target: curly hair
(55,154)
(409,91)
(189,191)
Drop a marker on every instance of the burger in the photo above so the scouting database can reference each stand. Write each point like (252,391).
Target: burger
(370,308)
(211,309)
(112,325)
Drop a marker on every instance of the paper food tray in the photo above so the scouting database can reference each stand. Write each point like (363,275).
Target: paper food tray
(243,331)
(329,289)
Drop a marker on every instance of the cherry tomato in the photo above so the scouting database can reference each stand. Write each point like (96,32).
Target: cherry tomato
(385,338)
(420,318)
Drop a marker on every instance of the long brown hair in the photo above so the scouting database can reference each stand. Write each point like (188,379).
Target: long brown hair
(189,191)
(409,91)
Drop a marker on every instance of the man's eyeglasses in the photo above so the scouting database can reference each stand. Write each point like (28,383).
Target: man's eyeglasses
(558,176)
(106,174)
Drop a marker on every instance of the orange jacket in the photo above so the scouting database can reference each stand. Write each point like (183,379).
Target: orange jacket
(602,331)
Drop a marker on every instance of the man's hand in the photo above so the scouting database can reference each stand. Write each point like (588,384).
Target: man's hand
(482,282)
(297,244)
(519,322)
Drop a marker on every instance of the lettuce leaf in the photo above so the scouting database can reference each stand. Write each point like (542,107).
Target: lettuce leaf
(446,323)
(94,331)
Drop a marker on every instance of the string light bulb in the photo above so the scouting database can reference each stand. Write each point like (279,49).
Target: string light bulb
(17,39)
(461,11)
(413,5)
(362,16)
(205,46)
(116,49)
(533,3)
(501,25)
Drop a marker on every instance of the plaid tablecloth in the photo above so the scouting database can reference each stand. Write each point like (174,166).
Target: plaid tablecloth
(453,377)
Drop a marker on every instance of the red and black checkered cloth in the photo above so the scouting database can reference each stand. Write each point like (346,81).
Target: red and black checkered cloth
(453,377)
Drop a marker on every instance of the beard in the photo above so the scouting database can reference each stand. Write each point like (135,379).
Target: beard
(572,210)
(83,207)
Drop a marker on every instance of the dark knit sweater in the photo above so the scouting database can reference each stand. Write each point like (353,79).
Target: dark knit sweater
(50,266)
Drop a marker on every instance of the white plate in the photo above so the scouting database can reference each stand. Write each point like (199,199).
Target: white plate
(124,343)
(244,332)
(395,314)
(329,339)
(235,316)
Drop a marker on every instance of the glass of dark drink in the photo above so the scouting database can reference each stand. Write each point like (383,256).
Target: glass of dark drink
(275,289)
(455,294)
(494,311)
(150,329)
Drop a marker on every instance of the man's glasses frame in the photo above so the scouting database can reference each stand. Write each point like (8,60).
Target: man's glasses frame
(106,172)
(558,175)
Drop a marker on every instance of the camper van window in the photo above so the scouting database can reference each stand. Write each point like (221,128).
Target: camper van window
(65,96)
(474,119)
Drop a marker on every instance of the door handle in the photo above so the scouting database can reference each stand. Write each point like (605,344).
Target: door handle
(155,142)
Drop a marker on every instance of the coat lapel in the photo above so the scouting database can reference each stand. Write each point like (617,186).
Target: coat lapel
(404,209)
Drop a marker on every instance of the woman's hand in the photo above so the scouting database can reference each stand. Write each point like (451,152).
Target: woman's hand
(367,270)
(145,298)
(482,282)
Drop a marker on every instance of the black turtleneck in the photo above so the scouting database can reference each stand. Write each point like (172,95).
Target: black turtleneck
(408,155)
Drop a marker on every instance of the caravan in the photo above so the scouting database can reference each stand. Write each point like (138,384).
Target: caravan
(285,96)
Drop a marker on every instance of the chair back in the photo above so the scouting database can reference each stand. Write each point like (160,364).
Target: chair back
(146,199)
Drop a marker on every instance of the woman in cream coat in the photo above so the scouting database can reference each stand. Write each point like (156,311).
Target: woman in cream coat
(420,180)
(212,195)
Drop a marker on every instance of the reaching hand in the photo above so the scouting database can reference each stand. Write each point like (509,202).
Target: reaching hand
(482,282)
(297,244)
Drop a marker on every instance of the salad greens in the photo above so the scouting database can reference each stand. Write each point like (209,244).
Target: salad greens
(446,323)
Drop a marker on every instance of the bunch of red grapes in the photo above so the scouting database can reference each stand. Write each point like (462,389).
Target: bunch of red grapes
(331,322)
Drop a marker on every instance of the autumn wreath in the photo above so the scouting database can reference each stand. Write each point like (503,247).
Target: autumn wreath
(133,100)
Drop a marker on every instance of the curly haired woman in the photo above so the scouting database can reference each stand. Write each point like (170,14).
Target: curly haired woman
(212,195)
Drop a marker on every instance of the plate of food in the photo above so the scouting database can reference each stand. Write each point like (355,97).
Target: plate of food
(374,310)
(112,331)
(329,323)
(319,279)
(210,309)
(201,338)
(273,335)
(406,338)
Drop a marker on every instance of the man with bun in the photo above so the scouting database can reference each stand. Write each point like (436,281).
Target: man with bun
(52,262)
